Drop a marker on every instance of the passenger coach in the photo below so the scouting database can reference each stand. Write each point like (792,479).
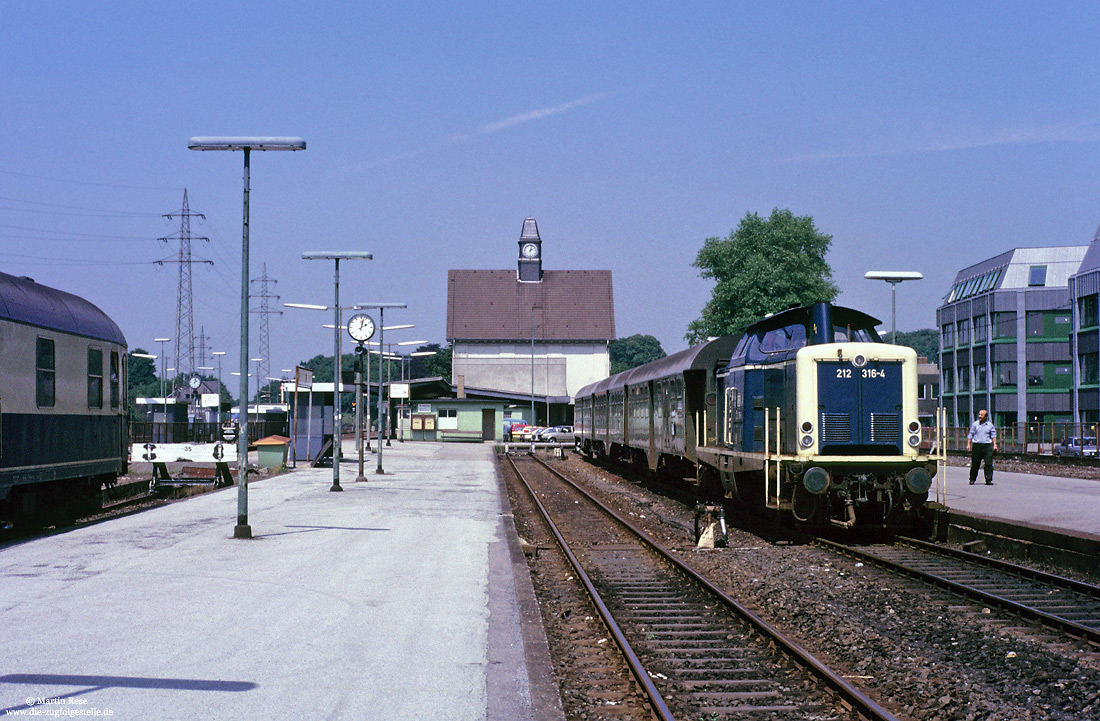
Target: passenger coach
(62,403)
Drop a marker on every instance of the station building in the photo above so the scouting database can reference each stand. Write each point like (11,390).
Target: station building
(1019,337)
(528,335)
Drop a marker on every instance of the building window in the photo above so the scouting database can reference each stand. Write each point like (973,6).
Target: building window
(45,373)
(115,376)
(979,378)
(448,419)
(1034,374)
(1006,374)
(1037,276)
(1034,324)
(964,380)
(1004,325)
(1089,308)
(948,335)
(979,329)
(922,391)
(95,378)
(1090,363)
(964,332)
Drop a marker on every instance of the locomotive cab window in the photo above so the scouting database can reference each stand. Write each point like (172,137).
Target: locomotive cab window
(781,339)
(45,373)
(95,378)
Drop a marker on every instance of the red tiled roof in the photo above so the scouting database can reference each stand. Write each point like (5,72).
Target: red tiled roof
(492,305)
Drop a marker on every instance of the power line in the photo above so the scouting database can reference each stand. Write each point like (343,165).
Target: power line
(185,324)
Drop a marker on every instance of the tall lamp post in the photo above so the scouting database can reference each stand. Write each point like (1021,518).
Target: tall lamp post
(246,144)
(381,339)
(219,354)
(893,277)
(336,256)
(163,377)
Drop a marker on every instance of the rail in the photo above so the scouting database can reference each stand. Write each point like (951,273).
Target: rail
(847,694)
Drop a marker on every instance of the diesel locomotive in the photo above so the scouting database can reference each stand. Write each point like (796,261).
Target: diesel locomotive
(807,415)
(63,431)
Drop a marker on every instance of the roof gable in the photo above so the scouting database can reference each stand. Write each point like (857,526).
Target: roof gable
(493,305)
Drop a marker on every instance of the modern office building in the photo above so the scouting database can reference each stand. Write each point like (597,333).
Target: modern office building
(1018,336)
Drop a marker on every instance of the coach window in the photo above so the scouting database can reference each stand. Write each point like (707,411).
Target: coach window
(95,378)
(45,374)
(114,379)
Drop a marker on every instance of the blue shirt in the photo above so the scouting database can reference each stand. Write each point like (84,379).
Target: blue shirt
(982,432)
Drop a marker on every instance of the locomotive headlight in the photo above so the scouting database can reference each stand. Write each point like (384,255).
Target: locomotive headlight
(816,480)
(914,440)
(859,360)
(914,426)
(807,426)
(918,481)
(806,441)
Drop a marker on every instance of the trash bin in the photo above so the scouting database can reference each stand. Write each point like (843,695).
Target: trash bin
(271,452)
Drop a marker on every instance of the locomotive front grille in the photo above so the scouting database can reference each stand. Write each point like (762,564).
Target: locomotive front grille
(836,428)
(885,427)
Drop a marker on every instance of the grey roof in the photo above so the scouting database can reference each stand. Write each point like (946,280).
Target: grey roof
(530,230)
(492,305)
(1092,255)
(705,356)
(24,301)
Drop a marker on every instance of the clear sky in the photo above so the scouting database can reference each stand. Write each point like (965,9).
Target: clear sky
(922,136)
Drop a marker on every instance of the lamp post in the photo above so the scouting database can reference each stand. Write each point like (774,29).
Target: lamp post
(337,436)
(219,354)
(246,144)
(163,377)
(381,338)
(893,277)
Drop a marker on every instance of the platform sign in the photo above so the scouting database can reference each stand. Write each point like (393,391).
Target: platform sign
(210,400)
(183,452)
(399,390)
(303,378)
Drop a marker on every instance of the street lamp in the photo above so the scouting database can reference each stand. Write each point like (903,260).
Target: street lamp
(219,354)
(381,333)
(247,144)
(163,376)
(893,277)
(337,436)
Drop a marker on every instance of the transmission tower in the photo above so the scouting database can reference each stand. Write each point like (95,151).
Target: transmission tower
(185,326)
(203,338)
(264,311)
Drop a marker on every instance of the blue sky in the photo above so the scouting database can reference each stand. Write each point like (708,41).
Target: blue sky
(921,136)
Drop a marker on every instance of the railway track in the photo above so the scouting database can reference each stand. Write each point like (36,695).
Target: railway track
(1069,606)
(696,652)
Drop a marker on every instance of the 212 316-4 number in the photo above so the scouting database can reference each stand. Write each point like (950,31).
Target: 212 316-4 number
(864,373)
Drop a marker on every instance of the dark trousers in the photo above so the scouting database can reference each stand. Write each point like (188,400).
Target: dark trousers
(981,453)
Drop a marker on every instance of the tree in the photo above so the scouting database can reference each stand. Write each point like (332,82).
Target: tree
(633,351)
(764,266)
(925,342)
(438,364)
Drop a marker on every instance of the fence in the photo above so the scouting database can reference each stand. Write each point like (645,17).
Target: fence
(1039,438)
(149,432)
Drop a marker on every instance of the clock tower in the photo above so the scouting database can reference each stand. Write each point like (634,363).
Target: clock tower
(530,253)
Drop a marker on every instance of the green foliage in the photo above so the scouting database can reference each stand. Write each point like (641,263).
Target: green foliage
(926,342)
(633,351)
(436,365)
(764,266)
(142,371)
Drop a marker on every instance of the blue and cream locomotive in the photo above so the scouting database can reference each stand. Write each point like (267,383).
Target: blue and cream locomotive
(62,403)
(808,414)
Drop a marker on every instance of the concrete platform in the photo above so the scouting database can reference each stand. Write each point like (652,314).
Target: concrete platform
(405,597)
(1065,504)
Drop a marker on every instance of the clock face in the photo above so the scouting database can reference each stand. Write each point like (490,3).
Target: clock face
(530,250)
(361,327)
(195,382)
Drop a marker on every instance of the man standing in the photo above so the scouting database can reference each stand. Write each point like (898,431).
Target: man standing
(981,442)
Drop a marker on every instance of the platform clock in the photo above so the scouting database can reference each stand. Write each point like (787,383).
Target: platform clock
(361,327)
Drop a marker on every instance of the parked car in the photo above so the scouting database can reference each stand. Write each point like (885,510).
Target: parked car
(512,428)
(1076,447)
(526,433)
(556,434)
